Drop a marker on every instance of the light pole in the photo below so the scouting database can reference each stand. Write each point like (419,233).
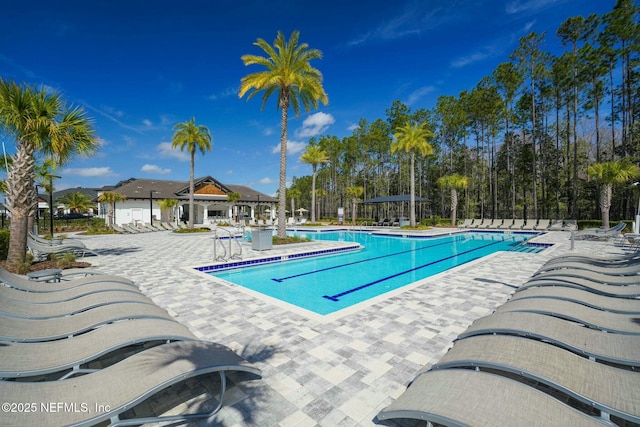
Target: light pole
(37,226)
(636,224)
(51,203)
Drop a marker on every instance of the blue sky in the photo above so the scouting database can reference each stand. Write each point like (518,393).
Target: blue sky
(139,67)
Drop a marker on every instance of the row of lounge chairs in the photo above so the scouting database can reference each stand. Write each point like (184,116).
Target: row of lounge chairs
(107,352)
(564,350)
(519,224)
(135,228)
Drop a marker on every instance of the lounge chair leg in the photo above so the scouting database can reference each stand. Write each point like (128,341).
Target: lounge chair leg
(115,421)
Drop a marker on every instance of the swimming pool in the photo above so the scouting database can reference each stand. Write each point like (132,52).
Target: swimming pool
(328,284)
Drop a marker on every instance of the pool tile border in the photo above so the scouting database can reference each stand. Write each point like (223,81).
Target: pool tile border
(277,258)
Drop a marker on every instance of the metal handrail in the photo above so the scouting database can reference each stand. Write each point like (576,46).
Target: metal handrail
(230,254)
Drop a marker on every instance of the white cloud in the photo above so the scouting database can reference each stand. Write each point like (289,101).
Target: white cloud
(265,181)
(419,93)
(353,127)
(147,123)
(87,172)
(315,124)
(165,150)
(293,147)
(518,6)
(154,169)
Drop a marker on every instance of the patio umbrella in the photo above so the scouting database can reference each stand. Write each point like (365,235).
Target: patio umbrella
(301,211)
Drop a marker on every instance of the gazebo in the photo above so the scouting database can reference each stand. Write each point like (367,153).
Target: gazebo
(395,199)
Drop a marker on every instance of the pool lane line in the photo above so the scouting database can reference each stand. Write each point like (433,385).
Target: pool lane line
(335,298)
(282,279)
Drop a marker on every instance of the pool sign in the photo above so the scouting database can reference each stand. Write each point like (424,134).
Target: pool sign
(340,215)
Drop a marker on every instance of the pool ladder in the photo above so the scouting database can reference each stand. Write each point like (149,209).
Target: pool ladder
(218,243)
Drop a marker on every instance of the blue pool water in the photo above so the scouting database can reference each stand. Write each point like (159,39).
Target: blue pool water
(330,283)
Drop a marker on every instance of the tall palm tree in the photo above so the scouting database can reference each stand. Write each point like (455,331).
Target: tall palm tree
(314,156)
(355,193)
(191,137)
(42,123)
(111,198)
(453,182)
(169,204)
(291,76)
(76,202)
(293,194)
(609,174)
(412,138)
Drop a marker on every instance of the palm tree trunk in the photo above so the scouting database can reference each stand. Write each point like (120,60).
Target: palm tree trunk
(20,195)
(191,188)
(412,203)
(282,220)
(313,195)
(605,203)
(454,206)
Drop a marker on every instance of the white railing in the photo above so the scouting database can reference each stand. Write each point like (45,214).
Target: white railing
(226,253)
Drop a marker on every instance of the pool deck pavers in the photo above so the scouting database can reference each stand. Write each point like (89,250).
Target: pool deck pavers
(339,370)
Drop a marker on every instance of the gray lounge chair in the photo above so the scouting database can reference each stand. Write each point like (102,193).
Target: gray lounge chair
(41,251)
(570,225)
(591,260)
(65,294)
(56,241)
(600,233)
(496,223)
(481,223)
(461,397)
(18,282)
(466,223)
(628,269)
(611,390)
(27,310)
(530,224)
(506,224)
(517,224)
(556,225)
(113,391)
(581,296)
(620,349)
(590,317)
(609,278)
(30,330)
(631,291)
(113,341)
(120,229)
(543,224)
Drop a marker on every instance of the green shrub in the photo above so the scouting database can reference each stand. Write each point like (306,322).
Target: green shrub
(4,244)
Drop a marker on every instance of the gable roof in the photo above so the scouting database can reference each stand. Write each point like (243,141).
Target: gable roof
(206,189)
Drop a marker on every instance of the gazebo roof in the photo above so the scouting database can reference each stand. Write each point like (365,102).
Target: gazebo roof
(395,198)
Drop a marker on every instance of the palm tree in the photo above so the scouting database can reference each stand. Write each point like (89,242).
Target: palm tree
(76,202)
(169,204)
(296,82)
(609,174)
(412,138)
(314,156)
(192,137)
(111,198)
(293,194)
(453,182)
(233,198)
(355,193)
(42,123)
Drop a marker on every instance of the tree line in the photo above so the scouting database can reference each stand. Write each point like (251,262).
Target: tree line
(522,139)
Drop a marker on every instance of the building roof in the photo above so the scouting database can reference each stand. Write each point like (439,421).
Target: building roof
(92,193)
(206,189)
